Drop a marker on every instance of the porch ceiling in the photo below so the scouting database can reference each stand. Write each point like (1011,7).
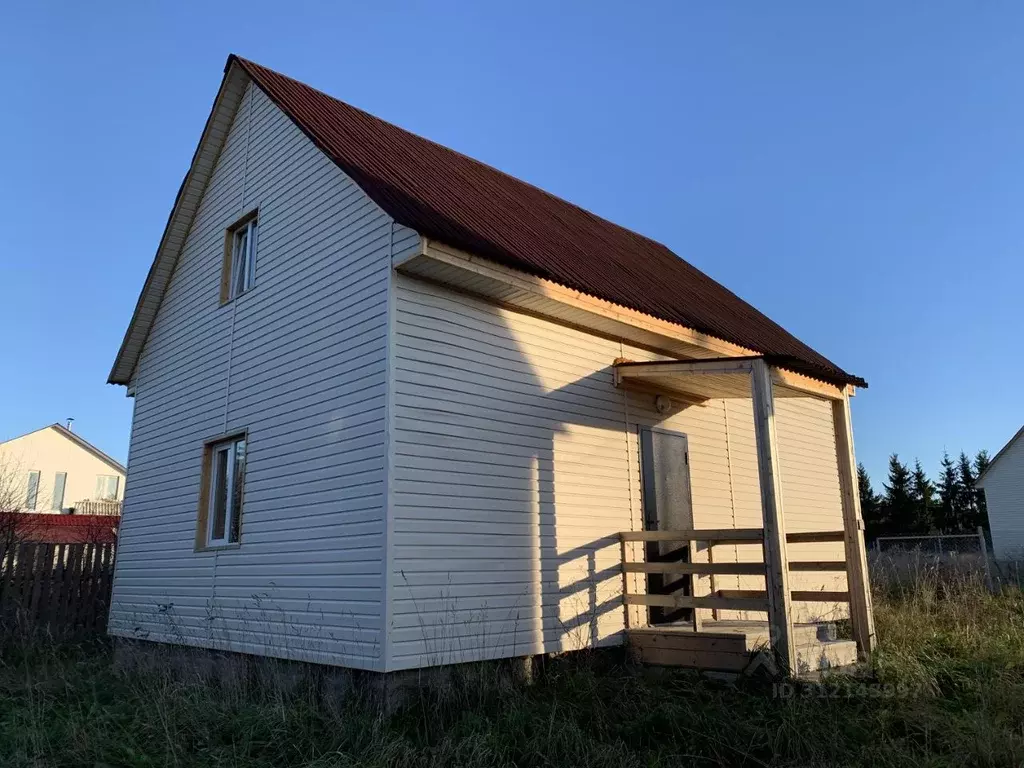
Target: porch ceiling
(716,378)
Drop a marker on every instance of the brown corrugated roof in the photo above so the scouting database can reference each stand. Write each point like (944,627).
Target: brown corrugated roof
(449,197)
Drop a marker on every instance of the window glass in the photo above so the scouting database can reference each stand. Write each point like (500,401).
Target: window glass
(220,494)
(238,262)
(106,486)
(59,481)
(243,259)
(250,273)
(227,472)
(236,496)
(32,496)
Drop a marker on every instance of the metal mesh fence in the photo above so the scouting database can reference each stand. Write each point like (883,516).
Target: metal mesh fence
(939,545)
(941,558)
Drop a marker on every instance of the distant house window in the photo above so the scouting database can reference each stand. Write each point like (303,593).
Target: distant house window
(32,496)
(239,258)
(57,499)
(223,480)
(106,486)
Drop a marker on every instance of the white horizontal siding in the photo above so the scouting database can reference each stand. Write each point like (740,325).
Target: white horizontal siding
(1004,496)
(300,362)
(515,464)
(494,422)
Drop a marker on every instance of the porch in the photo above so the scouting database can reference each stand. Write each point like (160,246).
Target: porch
(738,609)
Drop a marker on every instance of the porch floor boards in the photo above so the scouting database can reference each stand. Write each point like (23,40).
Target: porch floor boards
(734,646)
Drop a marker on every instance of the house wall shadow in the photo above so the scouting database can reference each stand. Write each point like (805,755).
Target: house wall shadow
(532,456)
(581,588)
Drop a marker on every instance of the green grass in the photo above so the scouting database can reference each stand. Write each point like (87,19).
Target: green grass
(947,688)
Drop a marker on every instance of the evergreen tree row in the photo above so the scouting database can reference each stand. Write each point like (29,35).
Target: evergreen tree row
(911,504)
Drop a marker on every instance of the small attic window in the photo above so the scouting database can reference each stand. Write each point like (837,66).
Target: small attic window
(239,268)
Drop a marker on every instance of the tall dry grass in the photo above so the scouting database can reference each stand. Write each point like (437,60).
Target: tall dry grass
(946,688)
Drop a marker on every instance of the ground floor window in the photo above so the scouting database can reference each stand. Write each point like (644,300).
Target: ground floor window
(223,481)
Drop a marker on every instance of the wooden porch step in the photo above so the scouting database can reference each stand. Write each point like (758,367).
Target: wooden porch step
(754,634)
(733,646)
(819,656)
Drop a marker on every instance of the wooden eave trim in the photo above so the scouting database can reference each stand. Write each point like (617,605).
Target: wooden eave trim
(800,383)
(673,332)
(740,366)
(548,289)
(641,371)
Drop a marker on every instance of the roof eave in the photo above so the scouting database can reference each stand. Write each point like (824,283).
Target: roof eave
(186,202)
(999,454)
(86,445)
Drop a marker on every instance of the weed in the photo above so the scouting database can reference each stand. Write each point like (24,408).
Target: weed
(946,688)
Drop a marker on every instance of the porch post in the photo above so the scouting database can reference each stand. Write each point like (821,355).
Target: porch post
(858,585)
(780,627)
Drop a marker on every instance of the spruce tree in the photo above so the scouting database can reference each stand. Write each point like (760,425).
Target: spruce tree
(968,504)
(870,506)
(981,462)
(923,494)
(899,502)
(947,510)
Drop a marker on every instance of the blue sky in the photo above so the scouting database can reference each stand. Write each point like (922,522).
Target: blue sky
(855,172)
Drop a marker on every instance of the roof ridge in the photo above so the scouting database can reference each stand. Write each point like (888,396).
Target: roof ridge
(77,439)
(247,63)
(82,442)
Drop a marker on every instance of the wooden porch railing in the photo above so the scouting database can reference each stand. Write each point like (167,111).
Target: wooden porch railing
(722,599)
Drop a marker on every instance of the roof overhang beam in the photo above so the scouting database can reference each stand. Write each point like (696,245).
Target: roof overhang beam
(439,263)
(714,379)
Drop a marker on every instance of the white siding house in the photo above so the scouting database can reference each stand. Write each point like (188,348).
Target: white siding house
(438,448)
(308,582)
(1003,482)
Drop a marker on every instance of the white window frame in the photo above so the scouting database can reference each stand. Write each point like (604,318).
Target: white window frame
(243,258)
(232,514)
(104,480)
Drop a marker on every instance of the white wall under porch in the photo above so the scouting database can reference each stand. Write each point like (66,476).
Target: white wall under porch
(515,464)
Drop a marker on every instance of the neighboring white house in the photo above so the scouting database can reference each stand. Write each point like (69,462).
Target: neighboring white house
(1003,482)
(392,408)
(54,470)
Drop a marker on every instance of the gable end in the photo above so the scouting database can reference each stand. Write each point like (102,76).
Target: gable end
(186,203)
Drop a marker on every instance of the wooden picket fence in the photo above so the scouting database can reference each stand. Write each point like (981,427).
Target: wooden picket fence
(63,589)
